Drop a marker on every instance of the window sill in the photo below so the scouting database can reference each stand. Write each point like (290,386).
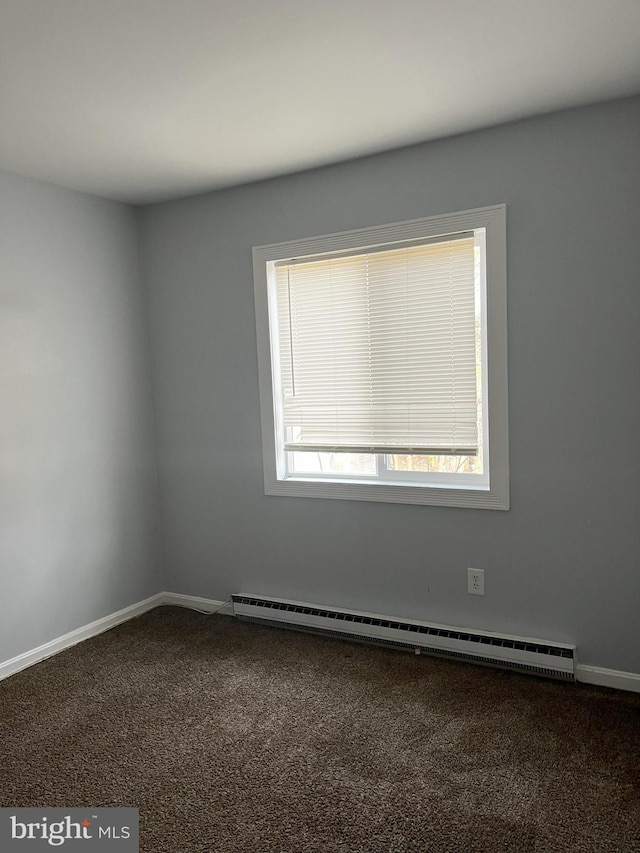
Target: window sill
(494,497)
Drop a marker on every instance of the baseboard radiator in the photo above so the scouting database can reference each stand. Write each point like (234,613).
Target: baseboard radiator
(538,657)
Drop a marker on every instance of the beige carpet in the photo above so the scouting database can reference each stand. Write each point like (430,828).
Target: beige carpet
(236,738)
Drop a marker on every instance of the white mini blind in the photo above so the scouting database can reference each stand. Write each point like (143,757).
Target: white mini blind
(377,350)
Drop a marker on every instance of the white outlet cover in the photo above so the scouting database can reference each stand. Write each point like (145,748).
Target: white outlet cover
(475,581)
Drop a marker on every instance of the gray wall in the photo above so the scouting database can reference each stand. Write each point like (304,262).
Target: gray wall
(563,562)
(78,522)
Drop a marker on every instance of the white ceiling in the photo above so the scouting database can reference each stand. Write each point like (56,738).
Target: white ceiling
(145,100)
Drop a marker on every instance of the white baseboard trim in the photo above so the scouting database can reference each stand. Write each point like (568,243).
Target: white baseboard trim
(209,605)
(608,678)
(47,650)
(596,675)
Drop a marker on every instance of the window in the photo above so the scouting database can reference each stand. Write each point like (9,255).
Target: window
(382,359)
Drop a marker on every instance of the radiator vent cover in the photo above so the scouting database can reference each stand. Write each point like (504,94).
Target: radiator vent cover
(556,660)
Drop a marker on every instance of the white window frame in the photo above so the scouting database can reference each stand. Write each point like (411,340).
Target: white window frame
(459,493)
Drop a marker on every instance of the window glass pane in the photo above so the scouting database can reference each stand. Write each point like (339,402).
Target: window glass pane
(352,464)
(436,464)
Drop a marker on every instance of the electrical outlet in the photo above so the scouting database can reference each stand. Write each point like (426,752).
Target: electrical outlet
(475,581)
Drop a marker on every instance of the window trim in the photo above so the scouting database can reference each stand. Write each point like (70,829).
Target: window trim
(493,220)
